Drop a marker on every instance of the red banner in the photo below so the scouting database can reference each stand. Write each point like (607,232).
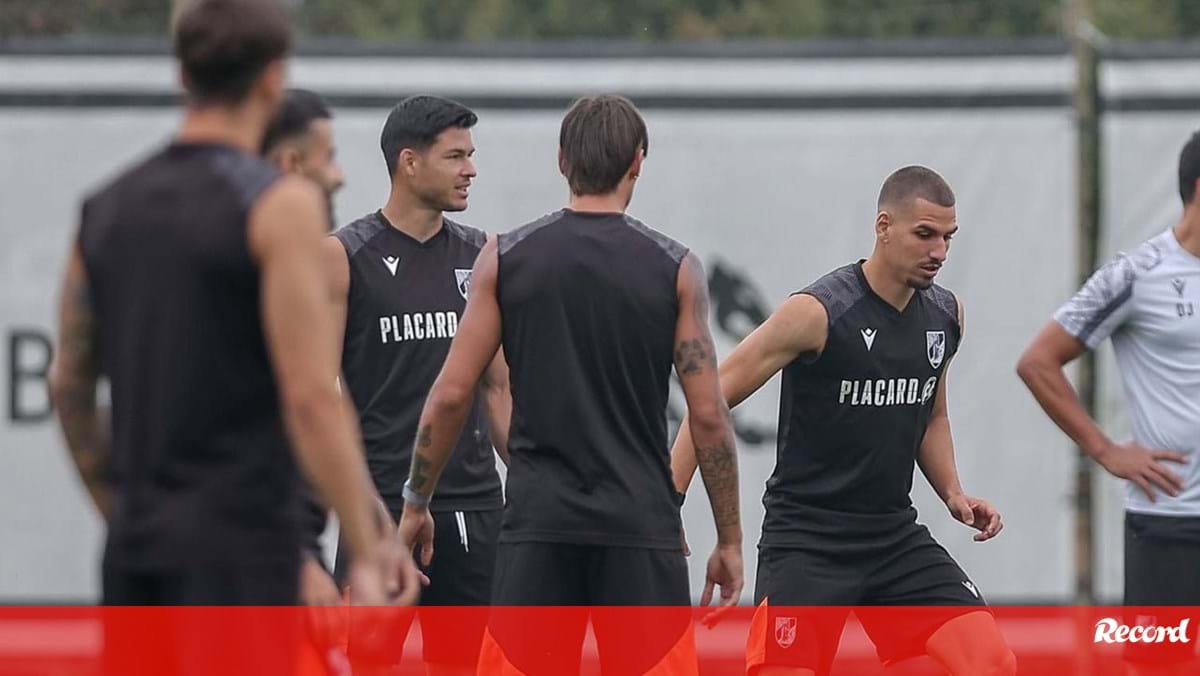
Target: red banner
(69,641)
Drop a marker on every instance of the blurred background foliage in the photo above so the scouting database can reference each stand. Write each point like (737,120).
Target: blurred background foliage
(637,20)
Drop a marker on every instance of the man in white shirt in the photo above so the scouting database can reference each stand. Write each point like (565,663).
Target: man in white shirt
(1147,302)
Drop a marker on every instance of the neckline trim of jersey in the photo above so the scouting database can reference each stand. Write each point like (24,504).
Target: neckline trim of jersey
(1176,245)
(870,292)
(413,241)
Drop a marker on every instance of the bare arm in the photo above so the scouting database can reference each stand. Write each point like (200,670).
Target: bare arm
(936,454)
(73,379)
(708,414)
(449,401)
(709,425)
(473,349)
(497,399)
(799,326)
(935,457)
(336,264)
(285,236)
(1041,368)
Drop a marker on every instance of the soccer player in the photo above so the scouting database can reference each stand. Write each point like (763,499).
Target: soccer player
(592,308)
(190,288)
(401,279)
(300,141)
(1147,302)
(864,352)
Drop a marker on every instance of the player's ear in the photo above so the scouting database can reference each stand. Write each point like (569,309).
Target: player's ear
(883,224)
(184,80)
(288,159)
(407,162)
(635,169)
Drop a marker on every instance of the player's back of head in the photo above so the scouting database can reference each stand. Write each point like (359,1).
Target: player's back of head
(914,182)
(224,46)
(300,108)
(599,140)
(1189,168)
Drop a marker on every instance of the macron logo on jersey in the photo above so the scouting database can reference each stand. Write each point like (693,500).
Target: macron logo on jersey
(886,391)
(868,337)
(391,262)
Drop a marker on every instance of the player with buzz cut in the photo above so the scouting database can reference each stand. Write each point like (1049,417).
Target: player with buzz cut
(864,352)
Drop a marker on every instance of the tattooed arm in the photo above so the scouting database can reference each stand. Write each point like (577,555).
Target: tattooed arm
(708,414)
(796,328)
(73,381)
(449,401)
(711,428)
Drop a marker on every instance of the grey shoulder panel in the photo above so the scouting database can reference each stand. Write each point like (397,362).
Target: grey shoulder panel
(838,291)
(510,239)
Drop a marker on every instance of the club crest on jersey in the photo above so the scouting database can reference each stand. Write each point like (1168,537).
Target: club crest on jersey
(463,279)
(391,262)
(785,631)
(935,347)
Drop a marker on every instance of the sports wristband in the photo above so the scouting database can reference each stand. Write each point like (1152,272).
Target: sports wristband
(415,498)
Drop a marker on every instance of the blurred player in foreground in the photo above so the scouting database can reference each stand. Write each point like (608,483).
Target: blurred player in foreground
(190,288)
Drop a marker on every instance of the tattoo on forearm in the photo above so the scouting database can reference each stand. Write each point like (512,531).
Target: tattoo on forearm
(421,464)
(76,373)
(77,340)
(718,466)
(693,356)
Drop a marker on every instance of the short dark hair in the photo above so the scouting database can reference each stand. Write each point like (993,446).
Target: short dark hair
(224,45)
(1189,168)
(599,139)
(912,182)
(416,122)
(296,114)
